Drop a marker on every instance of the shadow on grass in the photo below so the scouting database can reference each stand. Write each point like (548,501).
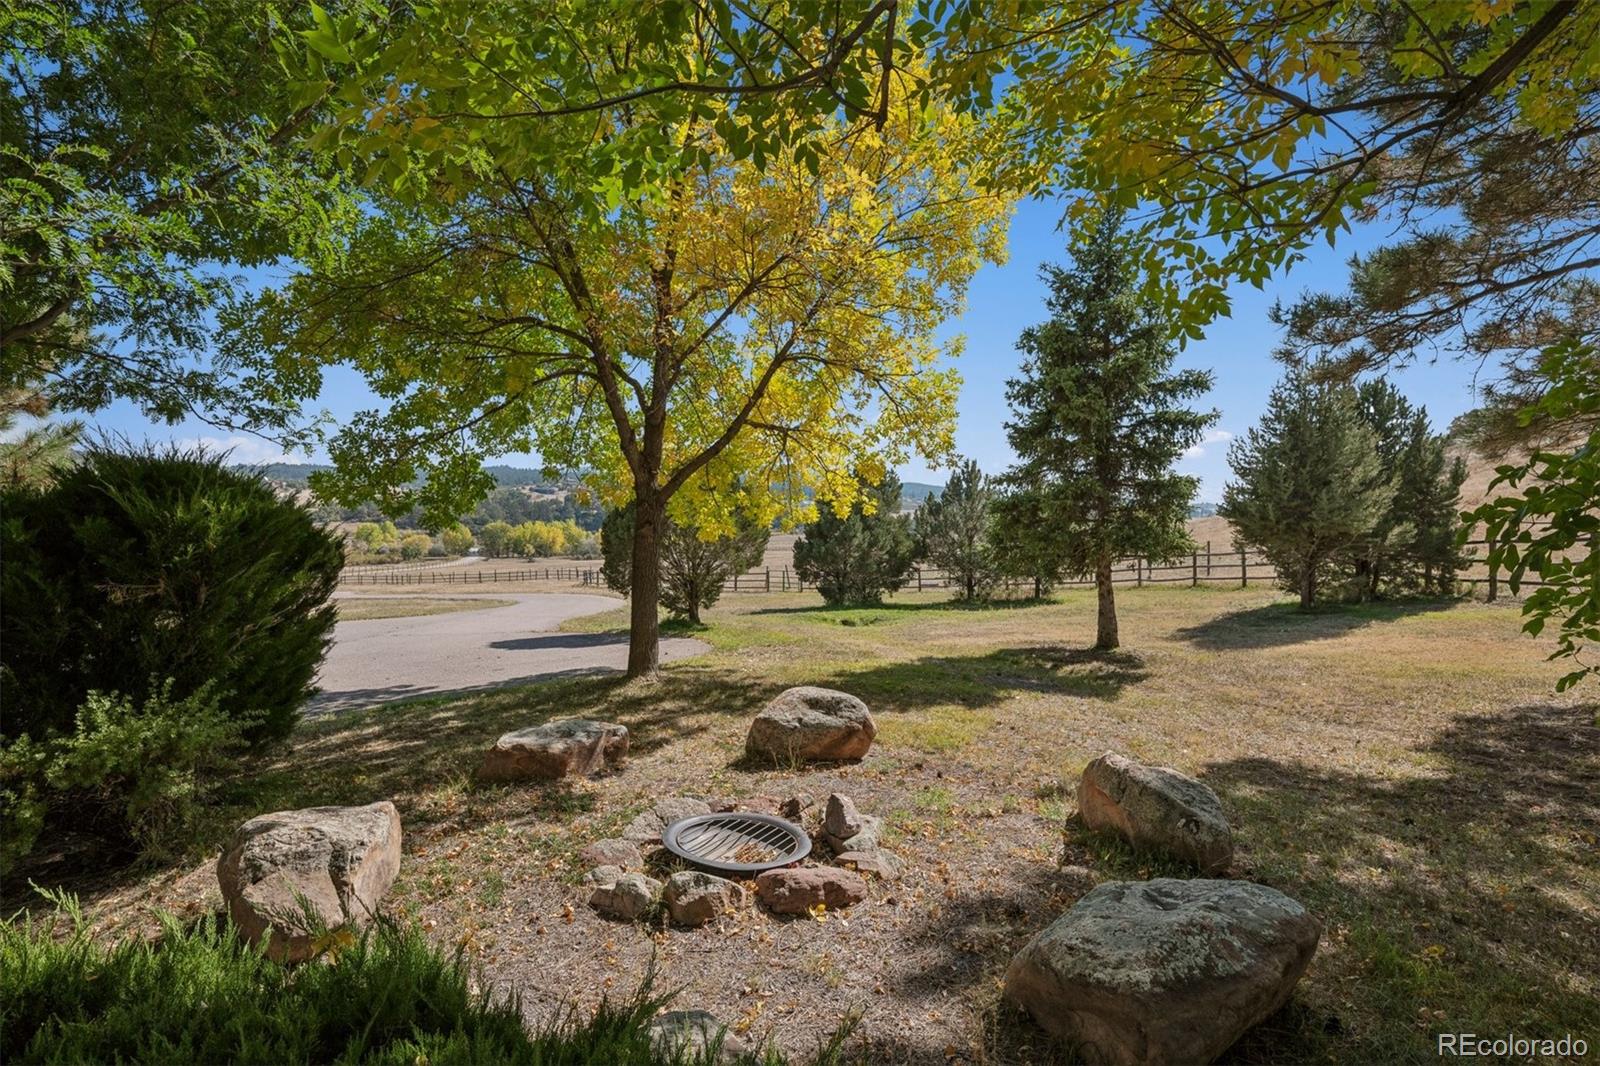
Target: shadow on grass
(1460,900)
(1280,624)
(984,680)
(1453,891)
(823,610)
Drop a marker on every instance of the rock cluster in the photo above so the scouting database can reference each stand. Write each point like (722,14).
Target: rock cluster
(1162,971)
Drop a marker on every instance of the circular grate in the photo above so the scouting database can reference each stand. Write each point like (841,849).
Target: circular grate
(737,842)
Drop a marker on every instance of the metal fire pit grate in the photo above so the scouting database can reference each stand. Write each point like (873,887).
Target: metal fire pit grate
(737,843)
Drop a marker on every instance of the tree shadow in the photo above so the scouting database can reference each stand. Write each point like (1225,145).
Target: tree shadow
(1450,901)
(989,679)
(824,610)
(1281,624)
(424,755)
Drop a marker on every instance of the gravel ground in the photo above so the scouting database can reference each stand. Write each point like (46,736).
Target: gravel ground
(381,660)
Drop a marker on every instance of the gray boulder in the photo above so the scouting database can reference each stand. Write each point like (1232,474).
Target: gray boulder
(866,838)
(1163,971)
(337,861)
(603,875)
(613,852)
(570,747)
(630,897)
(840,818)
(880,864)
(809,724)
(694,898)
(686,1034)
(1156,807)
(648,826)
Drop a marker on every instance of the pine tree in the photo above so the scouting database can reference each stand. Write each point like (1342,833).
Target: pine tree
(1310,482)
(953,527)
(32,456)
(1411,547)
(1100,418)
(859,557)
(1024,540)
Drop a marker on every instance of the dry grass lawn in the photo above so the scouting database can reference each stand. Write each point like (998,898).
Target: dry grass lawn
(1403,770)
(365,608)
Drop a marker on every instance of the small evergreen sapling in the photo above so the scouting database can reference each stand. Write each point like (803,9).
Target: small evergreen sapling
(858,557)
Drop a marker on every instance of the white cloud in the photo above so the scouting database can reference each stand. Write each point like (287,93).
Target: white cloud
(246,451)
(1215,436)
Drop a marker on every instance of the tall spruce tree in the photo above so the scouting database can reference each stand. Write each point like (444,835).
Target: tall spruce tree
(1310,482)
(954,528)
(1100,418)
(858,557)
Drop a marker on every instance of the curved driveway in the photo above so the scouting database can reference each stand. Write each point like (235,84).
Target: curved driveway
(383,659)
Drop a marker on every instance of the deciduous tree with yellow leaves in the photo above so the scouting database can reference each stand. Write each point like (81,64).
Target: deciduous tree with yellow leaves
(738,342)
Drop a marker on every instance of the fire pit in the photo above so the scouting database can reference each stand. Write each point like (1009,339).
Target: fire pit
(737,842)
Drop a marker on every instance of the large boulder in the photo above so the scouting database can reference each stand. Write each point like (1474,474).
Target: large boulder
(630,897)
(809,724)
(570,747)
(694,897)
(1156,807)
(337,861)
(797,890)
(1163,971)
(649,825)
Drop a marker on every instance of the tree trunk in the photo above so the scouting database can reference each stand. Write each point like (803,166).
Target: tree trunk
(1106,623)
(644,589)
(1038,588)
(1308,586)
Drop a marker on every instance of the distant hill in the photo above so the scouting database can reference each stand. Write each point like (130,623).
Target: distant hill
(505,477)
(916,493)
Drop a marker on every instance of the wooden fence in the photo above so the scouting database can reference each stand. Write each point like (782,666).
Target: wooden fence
(1204,566)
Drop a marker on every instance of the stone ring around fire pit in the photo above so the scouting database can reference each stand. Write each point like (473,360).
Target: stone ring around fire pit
(737,842)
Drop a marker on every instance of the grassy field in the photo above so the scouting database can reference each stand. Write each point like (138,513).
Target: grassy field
(366,607)
(1403,770)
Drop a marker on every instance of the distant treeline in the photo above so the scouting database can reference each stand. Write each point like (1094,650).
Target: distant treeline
(512,506)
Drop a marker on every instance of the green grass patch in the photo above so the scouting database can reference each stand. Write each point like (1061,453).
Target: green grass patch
(942,729)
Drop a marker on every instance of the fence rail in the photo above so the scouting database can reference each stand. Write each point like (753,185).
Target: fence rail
(1202,567)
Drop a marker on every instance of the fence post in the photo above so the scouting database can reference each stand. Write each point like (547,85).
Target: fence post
(1194,570)
(919,578)
(769,579)
(1244,571)
(1494,574)
(1208,559)
(1138,572)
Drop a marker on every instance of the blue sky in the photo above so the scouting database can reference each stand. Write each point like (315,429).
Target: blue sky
(1002,301)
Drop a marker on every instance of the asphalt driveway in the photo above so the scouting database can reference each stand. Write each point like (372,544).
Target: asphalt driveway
(385,659)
